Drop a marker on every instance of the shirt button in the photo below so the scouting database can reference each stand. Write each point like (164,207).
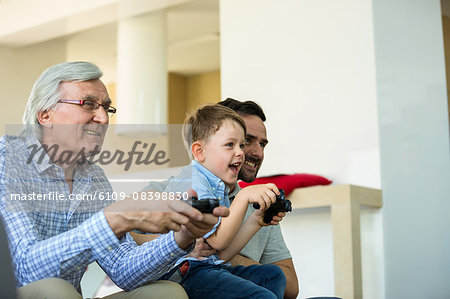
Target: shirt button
(109,248)
(220,197)
(220,184)
(214,189)
(172,254)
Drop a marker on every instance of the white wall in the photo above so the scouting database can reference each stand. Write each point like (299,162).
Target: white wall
(414,139)
(310,64)
(19,68)
(97,45)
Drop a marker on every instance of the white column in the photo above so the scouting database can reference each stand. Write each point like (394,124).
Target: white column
(141,71)
(414,147)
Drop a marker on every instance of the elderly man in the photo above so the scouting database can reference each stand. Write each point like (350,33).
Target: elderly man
(52,234)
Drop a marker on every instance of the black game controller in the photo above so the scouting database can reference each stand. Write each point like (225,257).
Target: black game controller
(280,205)
(205,205)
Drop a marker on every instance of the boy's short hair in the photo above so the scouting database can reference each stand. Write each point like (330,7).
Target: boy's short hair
(203,122)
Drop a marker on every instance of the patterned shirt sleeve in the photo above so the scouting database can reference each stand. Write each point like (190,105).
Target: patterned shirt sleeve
(44,246)
(58,256)
(130,266)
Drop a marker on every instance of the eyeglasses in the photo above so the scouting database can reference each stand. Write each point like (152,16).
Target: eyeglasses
(91,106)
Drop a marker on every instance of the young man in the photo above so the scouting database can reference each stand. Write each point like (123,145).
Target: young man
(52,241)
(267,246)
(214,137)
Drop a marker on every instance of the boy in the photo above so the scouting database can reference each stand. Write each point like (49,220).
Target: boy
(214,137)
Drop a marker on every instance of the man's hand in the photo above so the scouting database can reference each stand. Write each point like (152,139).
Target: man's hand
(259,218)
(202,249)
(198,228)
(277,218)
(161,216)
(154,216)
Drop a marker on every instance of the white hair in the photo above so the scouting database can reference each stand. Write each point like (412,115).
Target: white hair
(46,94)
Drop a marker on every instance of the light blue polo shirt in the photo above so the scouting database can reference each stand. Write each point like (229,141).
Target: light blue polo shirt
(195,176)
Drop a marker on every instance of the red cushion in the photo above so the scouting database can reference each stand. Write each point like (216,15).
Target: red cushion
(289,182)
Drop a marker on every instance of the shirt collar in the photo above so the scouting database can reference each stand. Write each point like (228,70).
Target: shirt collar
(235,191)
(39,158)
(214,181)
(36,153)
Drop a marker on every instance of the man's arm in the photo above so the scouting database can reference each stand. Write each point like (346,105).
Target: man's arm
(59,256)
(276,252)
(158,186)
(142,238)
(268,247)
(287,266)
(243,261)
(131,266)
(36,258)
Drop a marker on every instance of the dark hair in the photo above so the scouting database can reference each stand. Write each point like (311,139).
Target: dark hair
(205,121)
(244,108)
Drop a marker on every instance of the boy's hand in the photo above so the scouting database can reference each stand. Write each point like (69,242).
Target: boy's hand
(264,195)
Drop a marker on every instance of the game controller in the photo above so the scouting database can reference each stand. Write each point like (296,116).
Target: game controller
(205,205)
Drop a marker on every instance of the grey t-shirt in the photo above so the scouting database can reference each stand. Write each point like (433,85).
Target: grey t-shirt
(267,245)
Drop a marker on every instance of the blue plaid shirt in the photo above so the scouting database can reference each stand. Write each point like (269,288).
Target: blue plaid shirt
(59,238)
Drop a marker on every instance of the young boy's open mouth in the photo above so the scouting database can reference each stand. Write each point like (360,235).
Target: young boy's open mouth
(235,167)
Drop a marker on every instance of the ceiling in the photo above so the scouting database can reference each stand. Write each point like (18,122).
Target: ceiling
(192,27)
(193,37)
